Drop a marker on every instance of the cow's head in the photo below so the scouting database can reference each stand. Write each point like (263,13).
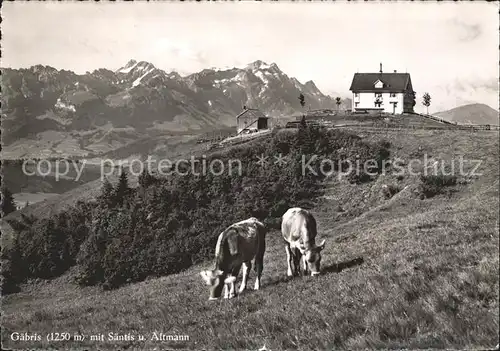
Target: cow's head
(313,258)
(216,279)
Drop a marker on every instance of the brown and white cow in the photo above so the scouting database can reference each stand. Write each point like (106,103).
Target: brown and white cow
(238,245)
(299,230)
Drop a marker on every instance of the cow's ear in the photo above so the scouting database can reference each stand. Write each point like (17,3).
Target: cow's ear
(321,246)
(219,272)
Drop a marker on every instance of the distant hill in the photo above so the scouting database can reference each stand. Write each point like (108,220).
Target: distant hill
(471,114)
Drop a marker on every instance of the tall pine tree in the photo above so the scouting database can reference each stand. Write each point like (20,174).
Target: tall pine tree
(146,179)
(107,196)
(122,188)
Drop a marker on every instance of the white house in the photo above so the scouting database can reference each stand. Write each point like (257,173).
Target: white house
(385,92)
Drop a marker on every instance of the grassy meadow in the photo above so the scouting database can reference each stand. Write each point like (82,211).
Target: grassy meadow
(399,271)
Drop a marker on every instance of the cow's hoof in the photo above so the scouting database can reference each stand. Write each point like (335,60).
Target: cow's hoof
(231,296)
(212,298)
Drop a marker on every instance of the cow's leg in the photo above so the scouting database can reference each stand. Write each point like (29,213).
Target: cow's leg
(259,263)
(296,262)
(304,262)
(289,259)
(246,270)
(257,279)
(232,292)
(234,272)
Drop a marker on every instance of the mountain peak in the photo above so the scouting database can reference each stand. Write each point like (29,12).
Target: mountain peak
(38,68)
(133,65)
(259,65)
(311,84)
(174,75)
(145,64)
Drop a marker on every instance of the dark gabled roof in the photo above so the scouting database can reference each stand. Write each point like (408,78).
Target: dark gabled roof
(252,112)
(393,82)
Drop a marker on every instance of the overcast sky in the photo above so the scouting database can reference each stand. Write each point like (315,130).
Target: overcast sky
(450,49)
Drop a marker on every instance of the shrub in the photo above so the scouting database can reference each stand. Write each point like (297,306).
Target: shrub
(47,248)
(390,190)
(11,270)
(7,203)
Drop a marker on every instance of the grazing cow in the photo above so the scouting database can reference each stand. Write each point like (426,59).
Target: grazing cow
(298,227)
(236,246)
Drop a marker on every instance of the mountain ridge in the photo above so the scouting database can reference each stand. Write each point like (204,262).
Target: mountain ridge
(141,98)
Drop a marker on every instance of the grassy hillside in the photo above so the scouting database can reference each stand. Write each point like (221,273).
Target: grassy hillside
(399,271)
(166,219)
(471,114)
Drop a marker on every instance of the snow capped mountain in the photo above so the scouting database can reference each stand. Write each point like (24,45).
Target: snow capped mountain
(261,85)
(135,73)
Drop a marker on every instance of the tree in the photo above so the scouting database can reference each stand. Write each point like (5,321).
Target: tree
(409,101)
(122,188)
(146,179)
(8,204)
(302,100)
(107,197)
(338,101)
(426,101)
(303,124)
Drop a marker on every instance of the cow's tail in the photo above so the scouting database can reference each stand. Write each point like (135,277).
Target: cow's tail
(261,248)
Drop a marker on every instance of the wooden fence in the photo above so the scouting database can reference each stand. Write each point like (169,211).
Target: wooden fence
(458,127)
(461,126)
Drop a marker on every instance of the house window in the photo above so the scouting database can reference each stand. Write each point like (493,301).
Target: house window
(393,94)
(378,94)
(356,95)
(377,104)
(356,104)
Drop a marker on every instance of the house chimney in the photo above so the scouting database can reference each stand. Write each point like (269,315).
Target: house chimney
(395,71)
(380,67)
